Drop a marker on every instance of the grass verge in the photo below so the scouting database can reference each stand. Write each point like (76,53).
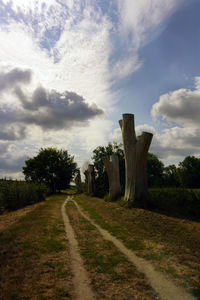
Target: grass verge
(34,255)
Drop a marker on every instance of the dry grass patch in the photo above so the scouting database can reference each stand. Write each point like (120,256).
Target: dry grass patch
(171,244)
(34,256)
(112,275)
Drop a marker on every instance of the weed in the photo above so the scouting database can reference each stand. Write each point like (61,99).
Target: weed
(62,293)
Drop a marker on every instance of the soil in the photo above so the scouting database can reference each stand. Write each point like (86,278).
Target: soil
(80,280)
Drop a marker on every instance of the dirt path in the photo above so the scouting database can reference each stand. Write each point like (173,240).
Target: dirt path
(80,280)
(166,289)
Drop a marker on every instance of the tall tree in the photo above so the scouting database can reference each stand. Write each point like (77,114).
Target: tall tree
(189,170)
(155,169)
(171,176)
(51,166)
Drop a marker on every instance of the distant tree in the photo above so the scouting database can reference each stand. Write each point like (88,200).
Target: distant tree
(51,166)
(155,169)
(189,170)
(102,184)
(171,176)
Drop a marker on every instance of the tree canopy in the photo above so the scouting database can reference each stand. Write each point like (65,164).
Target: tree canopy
(189,172)
(155,169)
(102,184)
(51,166)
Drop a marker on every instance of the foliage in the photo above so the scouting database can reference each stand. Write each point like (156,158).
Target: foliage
(101,175)
(176,201)
(189,172)
(171,176)
(51,166)
(155,169)
(18,194)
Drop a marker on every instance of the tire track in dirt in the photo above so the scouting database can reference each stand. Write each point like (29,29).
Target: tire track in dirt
(80,280)
(165,288)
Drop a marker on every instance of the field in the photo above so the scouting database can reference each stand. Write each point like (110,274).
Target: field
(36,261)
(16,194)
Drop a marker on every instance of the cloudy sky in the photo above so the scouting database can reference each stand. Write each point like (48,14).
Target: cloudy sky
(70,68)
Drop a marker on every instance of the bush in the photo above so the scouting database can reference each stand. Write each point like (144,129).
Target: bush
(18,194)
(175,201)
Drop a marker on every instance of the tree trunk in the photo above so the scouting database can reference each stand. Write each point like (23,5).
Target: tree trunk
(112,168)
(135,153)
(86,180)
(77,180)
(91,180)
(142,147)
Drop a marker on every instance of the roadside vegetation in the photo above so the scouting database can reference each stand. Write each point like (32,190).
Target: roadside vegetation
(173,190)
(17,194)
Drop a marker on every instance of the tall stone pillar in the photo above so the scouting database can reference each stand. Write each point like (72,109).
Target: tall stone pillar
(135,153)
(112,168)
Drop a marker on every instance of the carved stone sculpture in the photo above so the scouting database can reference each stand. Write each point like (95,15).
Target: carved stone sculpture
(135,153)
(112,168)
(77,180)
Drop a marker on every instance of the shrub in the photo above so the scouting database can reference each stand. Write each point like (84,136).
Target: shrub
(175,201)
(18,194)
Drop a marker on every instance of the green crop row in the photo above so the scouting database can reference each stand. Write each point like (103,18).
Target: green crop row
(18,194)
(176,201)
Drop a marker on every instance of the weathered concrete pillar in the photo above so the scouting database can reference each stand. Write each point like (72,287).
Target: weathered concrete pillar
(91,188)
(135,153)
(112,168)
(77,180)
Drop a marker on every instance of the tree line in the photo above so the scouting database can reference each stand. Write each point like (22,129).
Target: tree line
(56,169)
(185,175)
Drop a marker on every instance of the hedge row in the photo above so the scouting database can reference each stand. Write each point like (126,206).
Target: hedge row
(176,201)
(18,194)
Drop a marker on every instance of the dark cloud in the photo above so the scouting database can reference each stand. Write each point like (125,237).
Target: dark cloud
(17,132)
(16,76)
(53,110)
(13,165)
(49,110)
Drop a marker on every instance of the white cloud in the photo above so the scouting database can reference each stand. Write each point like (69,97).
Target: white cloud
(139,23)
(141,18)
(69,46)
(181,106)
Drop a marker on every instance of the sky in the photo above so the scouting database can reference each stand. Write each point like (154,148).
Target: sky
(69,69)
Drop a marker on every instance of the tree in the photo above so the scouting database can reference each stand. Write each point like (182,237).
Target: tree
(171,176)
(102,185)
(155,169)
(189,171)
(51,166)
